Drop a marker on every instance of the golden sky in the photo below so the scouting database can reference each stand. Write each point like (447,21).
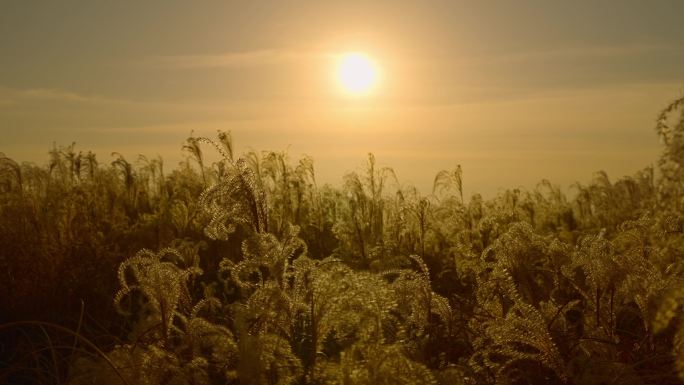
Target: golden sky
(514,91)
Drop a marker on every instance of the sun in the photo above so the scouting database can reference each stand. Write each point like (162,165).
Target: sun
(357,73)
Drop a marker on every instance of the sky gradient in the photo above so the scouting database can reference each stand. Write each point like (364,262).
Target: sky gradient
(514,91)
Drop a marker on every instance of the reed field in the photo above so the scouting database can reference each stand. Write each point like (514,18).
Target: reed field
(249,271)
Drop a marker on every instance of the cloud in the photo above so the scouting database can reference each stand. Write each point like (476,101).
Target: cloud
(14,96)
(58,110)
(230,59)
(496,76)
(6,102)
(18,96)
(588,52)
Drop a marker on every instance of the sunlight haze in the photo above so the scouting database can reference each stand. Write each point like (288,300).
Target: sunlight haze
(514,91)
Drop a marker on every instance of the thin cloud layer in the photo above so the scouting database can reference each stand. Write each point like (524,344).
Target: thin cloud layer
(232,59)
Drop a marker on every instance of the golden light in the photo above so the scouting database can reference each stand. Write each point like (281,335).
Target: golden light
(357,73)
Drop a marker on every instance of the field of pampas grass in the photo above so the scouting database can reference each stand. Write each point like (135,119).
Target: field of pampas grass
(249,271)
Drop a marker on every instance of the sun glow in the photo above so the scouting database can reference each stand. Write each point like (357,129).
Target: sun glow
(357,73)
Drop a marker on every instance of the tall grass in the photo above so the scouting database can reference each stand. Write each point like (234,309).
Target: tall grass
(247,271)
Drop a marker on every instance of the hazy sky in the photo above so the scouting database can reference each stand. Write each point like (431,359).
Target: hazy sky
(514,91)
